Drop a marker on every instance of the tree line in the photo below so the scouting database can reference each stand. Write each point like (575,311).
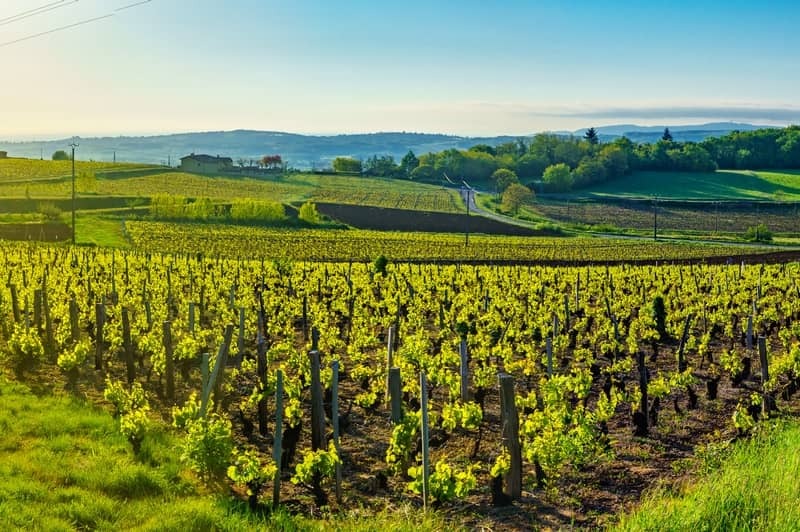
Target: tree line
(564,163)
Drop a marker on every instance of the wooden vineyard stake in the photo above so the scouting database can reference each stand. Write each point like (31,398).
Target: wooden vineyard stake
(192,316)
(37,311)
(395,391)
(389,358)
(549,349)
(423,387)
(218,376)
(204,370)
(278,440)
(317,411)
(335,420)
(749,334)
(74,326)
(510,424)
(261,368)
(644,421)
(100,317)
(305,317)
(170,363)
(214,379)
(766,402)
(464,369)
(14,302)
(128,346)
(240,342)
(682,347)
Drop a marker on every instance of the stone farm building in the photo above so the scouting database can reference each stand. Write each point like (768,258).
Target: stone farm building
(206,164)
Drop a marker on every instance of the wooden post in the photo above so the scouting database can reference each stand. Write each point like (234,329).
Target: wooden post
(643,388)
(37,311)
(684,337)
(73,320)
(423,387)
(749,334)
(218,374)
(204,370)
(510,424)
(335,420)
(389,358)
(549,348)
(305,317)
(15,302)
(395,391)
(148,314)
(278,440)
(464,370)
(170,365)
(100,317)
(128,345)
(766,402)
(317,411)
(566,313)
(191,316)
(261,369)
(240,343)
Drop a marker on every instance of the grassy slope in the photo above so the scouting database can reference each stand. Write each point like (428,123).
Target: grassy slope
(755,488)
(724,184)
(65,466)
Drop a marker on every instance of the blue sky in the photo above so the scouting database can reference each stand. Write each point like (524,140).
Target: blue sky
(468,67)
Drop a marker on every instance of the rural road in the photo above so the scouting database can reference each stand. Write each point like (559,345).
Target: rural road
(468,196)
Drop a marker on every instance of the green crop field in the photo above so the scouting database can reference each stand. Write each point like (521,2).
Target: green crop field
(727,184)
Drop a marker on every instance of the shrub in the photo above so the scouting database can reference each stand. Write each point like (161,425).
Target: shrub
(379,266)
(208,446)
(308,213)
(758,233)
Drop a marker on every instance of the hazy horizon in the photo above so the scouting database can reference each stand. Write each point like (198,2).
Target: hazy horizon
(475,69)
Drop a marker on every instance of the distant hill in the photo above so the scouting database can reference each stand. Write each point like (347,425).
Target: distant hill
(313,151)
(694,133)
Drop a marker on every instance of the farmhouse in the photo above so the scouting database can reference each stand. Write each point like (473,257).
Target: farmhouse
(206,164)
(3,154)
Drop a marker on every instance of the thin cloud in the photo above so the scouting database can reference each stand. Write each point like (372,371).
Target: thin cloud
(722,113)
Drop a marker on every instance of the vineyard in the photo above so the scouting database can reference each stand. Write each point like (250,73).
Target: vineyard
(364,246)
(25,178)
(561,391)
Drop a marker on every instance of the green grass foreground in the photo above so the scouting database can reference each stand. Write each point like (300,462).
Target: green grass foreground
(65,466)
(756,487)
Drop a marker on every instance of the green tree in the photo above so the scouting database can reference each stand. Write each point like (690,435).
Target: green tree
(61,155)
(423,172)
(591,170)
(667,136)
(515,196)
(503,178)
(408,164)
(531,166)
(591,136)
(347,165)
(558,178)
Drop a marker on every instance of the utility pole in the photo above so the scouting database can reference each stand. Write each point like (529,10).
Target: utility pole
(73,145)
(655,217)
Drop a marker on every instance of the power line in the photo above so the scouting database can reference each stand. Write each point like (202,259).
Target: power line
(32,10)
(54,30)
(132,5)
(74,25)
(41,10)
